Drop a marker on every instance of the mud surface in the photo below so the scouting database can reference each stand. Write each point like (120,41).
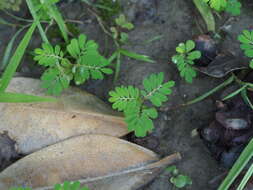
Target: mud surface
(175,21)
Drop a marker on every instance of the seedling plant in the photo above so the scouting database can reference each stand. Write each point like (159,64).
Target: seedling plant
(178,180)
(131,101)
(120,38)
(184,60)
(246,40)
(118,32)
(79,62)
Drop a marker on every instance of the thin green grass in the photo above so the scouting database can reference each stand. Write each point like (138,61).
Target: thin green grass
(54,12)
(7,97)
(241,162)
(206,13)
(16,58)
(8,50)
(36,17)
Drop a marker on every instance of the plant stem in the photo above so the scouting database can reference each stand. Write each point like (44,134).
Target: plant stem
(206,13)
(35,17)
(16,17)
(117,67)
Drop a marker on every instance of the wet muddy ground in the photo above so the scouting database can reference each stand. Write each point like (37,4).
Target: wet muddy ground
(175,21)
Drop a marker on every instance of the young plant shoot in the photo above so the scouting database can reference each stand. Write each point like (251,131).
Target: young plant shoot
(131,101)
(81,62)
(246,39)
(177,179)
(184,60)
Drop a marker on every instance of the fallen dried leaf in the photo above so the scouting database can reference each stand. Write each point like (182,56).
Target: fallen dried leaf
(36,125)
(99,161)
(222,65)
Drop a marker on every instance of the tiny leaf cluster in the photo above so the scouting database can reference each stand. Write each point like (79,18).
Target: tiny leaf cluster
(177,179)
(184,60)
(65,186)
(121,24)
(42,8)
(246,39)
(231,6)
(79,62)
(131,101)
(218,5)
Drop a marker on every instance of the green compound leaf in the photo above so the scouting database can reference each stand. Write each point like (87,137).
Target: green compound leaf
(233,7)
(218,5)
(78,47)
(58,76)
(246,39)
(137,115)
(139,120)
(122,96)
(185,59)
(48,55)
(55,81)
(90,65)
(155,90)
(87,64)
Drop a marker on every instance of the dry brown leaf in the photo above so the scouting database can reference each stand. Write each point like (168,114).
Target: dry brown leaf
(222,65)
(36,125)
(99,161)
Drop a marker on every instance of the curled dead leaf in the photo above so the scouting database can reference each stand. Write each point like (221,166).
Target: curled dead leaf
(36,125)
(222,65)
(99,161)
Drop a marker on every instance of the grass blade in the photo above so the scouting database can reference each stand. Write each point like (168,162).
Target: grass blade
(202,97)
(35,17)
(246,178)
(235,92)
(206,13)
(136,56)
(158,37)
(7,53)
(59,20)
(246,98)
(241,162)
(16,58)
(113,56)
(2,21)
(7,97)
